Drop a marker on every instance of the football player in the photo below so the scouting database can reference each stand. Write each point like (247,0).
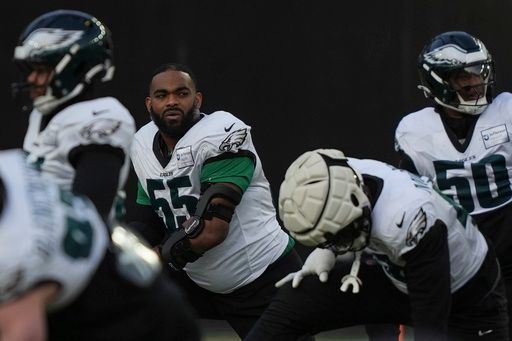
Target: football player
(77,139)
(438,272)
(61,278)
(462,143)
(205,203)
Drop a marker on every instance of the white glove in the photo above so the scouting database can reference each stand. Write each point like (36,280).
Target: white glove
(319,262)
(352,279)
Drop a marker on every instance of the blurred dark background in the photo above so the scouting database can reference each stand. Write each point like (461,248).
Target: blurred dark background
(303,74)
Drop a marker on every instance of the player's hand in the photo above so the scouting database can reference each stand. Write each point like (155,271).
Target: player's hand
(319,262)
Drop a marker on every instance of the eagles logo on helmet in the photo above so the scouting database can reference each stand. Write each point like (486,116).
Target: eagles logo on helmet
(76,47)
(451,52)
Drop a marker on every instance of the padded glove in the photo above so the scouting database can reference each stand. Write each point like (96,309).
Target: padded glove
(319,262)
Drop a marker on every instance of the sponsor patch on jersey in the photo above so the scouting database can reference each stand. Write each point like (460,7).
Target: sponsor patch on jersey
(495,135)
(233,140)
(100,129)
(184,157)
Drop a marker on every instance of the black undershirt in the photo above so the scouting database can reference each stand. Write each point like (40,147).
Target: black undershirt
(459,126)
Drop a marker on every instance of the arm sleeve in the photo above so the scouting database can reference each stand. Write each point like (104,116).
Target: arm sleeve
(405,162)
(148,224)
(427,272)
(97,169)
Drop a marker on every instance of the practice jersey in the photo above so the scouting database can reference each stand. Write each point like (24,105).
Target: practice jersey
(255,238)
(102,121)
(479,177)
(46,234)
(406,209)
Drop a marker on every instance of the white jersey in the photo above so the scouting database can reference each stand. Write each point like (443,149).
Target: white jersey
(479,177)
(46,234)
(406,209)
(255,238)
(102,121)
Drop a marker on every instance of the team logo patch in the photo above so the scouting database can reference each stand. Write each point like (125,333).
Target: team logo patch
(100,129)
(184,157)
(417,228)
(495,136)
(233,140)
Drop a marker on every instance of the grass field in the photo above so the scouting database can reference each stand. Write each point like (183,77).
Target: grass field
(220,331)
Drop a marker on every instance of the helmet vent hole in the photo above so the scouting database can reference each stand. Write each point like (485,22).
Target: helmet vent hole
(312,182)
(354,200)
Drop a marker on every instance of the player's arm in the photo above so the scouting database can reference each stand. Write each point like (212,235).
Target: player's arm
(427,272)
(405,162)
(216,229)
(225,178)
(24,319)
(97,169)
(207,228)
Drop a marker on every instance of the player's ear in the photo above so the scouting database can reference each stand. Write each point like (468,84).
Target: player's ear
(198,100)
(148,104)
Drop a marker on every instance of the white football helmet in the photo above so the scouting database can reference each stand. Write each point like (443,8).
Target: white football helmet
(322,202)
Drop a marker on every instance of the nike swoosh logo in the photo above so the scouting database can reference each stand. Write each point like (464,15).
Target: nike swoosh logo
(229,128)
(484,332)
(399,225)
(99,112)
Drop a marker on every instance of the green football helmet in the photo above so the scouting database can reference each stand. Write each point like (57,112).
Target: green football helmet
(75,45)
(451,52)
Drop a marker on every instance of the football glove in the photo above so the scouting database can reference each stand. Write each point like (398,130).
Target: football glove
(319,262)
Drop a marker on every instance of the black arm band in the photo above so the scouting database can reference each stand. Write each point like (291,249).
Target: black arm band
(205,210)
(217,190)
(219,211)
(177,250)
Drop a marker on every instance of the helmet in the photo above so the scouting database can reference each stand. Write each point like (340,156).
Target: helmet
(454,52)
(77,48)
(322,202)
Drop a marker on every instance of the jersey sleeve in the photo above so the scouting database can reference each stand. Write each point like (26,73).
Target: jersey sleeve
(234,168)
(417,220)
(142,196)
(226,152)
(102,131)
(102,122)
(404,159)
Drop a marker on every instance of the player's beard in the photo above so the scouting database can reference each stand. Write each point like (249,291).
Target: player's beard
(175,131)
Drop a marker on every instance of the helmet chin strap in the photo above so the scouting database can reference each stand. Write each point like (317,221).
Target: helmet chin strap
(47,103)
(472,107)
(466,107)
